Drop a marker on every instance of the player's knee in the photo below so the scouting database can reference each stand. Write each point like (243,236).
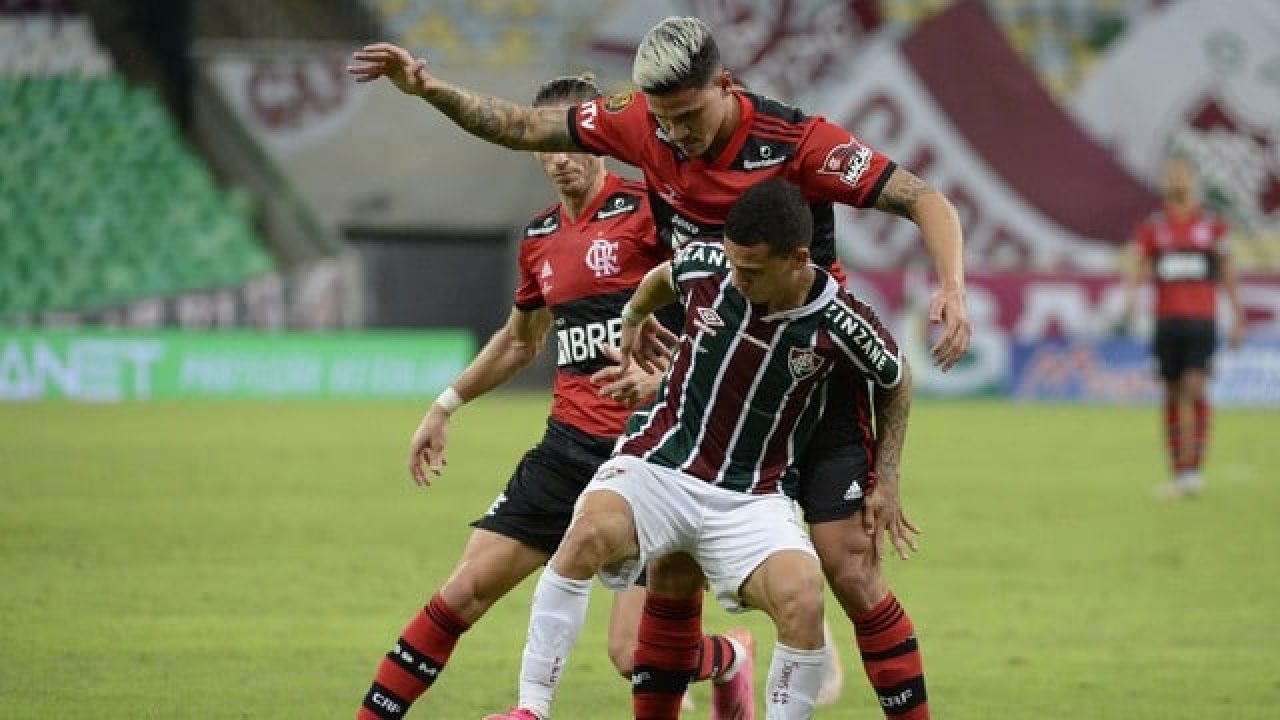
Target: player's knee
(467,596)
(798,615)
(594,540)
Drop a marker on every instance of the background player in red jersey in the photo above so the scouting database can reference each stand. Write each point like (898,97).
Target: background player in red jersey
(701,140)
(696,483)
(1183,247)
(579,262)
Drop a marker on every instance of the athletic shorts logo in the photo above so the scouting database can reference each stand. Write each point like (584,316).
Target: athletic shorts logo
(803,362)
(616,103)
(848,161)
(602,258)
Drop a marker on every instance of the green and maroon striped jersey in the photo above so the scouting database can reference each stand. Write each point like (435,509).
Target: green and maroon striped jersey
(746,388)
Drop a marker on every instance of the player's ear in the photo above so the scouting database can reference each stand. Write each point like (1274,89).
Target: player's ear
(724,81)
(801,256)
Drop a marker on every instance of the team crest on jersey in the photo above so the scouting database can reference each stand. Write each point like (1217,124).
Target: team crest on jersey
(848,161)
(618,102)
(803,362)
(602,257)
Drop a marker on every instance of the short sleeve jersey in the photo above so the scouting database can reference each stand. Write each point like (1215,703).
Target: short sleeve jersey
(691,196)
(746,387)
(583,270)
(1185,252)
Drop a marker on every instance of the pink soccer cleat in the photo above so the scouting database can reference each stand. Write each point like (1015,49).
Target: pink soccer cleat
(735,699)
(515,714)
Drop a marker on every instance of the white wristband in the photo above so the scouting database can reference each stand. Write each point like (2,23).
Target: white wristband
(449,400)
(630,316)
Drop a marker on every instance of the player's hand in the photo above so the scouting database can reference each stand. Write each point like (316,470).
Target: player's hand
(407,73)
(882,514)
(427,445)
(631,386)
(647,344)
(947,306)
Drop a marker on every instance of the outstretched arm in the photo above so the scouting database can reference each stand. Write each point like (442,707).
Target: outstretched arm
(912,198)
(502,122)
(508,352)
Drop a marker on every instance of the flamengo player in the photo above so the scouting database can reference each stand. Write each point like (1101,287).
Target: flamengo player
(579,262)
(696,484)
(700,140)
(1183,246)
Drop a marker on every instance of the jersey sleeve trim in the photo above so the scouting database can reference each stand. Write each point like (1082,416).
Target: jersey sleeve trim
(874,196)
(878,358)
(571,117)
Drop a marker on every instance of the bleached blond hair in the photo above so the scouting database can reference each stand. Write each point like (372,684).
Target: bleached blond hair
(676,54)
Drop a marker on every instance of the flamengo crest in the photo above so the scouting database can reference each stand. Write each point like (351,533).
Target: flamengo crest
(602,257)
(803,362)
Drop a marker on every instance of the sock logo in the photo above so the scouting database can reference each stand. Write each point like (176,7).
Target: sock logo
(386,703)
(894,701)
(781,692)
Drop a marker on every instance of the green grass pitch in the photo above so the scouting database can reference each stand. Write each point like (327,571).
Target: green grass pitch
(254,560)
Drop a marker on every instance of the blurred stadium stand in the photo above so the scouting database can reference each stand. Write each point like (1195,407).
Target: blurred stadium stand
(101,200)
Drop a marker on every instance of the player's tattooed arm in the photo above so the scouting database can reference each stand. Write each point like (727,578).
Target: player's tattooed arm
(900,194)
(519,127)
(892,407)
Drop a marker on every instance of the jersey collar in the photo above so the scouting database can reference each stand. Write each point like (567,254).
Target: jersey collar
(746,115)
(610,184)
(823,291)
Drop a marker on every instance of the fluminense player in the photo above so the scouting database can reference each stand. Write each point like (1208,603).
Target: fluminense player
(696,487)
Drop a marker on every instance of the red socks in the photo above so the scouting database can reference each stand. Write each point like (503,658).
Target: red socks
(666,655)
(891,657)
(414,663)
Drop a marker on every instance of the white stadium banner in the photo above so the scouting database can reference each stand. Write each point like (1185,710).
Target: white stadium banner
(1202,76)
(885,105)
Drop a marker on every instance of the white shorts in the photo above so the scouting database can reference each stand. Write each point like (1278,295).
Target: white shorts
(729,533)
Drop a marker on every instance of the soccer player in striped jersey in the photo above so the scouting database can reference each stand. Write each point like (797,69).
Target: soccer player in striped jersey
(696,487)
(580,260)
(1184,248)
(700,140)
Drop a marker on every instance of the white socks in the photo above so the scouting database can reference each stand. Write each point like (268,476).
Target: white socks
(794,678)
(558,613)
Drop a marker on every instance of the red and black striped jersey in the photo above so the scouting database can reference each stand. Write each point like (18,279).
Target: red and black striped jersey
(1184,250)
(691,196)
(746,388)
(583,270)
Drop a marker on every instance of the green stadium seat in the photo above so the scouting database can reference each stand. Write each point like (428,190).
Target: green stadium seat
(102,202)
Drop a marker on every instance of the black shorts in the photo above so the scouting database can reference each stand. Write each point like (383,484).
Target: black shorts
(1183,344)
(536,506)
(834,474)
